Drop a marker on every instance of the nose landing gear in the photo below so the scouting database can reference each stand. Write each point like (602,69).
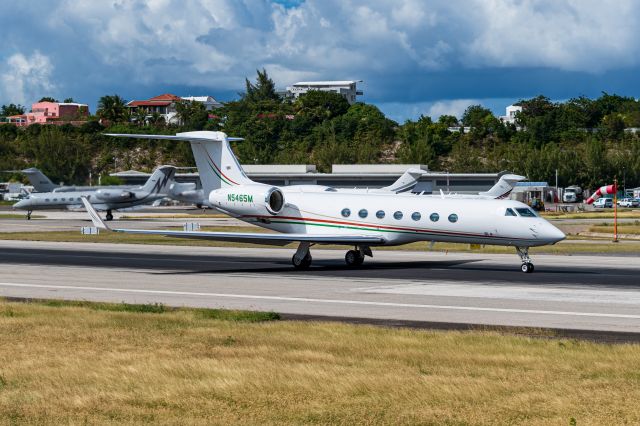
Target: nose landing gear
(527,265)
(28,214)
(109,215)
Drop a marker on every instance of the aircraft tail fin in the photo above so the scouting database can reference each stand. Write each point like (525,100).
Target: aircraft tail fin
(40,182)
(502,189)
(160,180)
(405,182)
(217,164)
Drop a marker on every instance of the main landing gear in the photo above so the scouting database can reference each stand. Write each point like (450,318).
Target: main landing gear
(109,215)
(356,257)
(527,266)
(302,258)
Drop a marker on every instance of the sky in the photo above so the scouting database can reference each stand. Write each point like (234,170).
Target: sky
(414,57)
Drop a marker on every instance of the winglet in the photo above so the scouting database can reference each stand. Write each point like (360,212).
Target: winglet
(95,218)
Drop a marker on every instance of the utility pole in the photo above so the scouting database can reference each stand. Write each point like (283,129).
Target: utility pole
(615,210)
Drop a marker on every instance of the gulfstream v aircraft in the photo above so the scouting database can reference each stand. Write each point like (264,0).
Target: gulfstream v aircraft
(106,199)
(359,219)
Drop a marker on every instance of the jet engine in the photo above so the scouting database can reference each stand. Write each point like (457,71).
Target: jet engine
(112,195)
(249,199)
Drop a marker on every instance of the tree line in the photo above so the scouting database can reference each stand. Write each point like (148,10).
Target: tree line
(588,141)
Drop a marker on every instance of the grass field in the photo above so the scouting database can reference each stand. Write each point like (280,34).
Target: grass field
(607,214)
(623,228)
(18,216)
(97,364)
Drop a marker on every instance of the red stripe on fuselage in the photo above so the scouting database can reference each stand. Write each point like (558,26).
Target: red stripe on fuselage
(220,171)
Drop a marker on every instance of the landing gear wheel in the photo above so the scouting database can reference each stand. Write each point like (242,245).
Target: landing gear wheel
(527,267)
(29,215)
(303,263)
(353,258)
(109,215)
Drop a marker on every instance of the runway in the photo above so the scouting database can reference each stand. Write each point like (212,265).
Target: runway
(566,292)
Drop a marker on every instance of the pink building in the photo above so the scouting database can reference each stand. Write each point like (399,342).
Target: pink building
(48,112)
(52,113)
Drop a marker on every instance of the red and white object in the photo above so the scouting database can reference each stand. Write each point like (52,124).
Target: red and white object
(603,190)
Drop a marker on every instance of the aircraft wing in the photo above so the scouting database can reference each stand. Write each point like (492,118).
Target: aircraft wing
(242,237)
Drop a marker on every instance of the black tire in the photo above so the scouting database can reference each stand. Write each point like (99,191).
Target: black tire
(353,258)
(109,216)
(527,268)
(304,263)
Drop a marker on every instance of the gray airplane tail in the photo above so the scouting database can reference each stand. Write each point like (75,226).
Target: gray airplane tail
(160,180)
(39,181)
(405,182)
(502,189)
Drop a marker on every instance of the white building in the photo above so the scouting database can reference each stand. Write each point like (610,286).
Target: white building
(346,88)
(209,102)
(511,112)
(165,105)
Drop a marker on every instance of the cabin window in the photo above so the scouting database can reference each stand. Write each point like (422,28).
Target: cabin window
(453,218)
(434,217)
(55,199)
(380,214)
(524,212)
(46,200)
(510,212)
(416,216)
(397,215)
(363,213)
(63,199)
(345,212)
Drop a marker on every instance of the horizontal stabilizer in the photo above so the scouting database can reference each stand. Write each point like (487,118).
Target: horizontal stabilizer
(177,138)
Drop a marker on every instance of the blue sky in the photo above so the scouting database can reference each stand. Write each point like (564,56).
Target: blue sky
(415,57)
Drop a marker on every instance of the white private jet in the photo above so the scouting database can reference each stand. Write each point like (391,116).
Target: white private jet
(359,219)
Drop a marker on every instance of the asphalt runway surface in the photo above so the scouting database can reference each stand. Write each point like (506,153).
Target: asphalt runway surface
(590,293)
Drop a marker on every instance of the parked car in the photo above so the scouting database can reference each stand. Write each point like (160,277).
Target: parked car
(603,203)
(628,202)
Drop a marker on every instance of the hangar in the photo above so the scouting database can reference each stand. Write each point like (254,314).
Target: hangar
(346,176)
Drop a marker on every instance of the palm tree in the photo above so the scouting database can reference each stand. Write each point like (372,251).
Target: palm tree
(112,108)
(141,116)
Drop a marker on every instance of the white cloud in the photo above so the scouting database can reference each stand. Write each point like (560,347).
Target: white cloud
(400,111)
(575,35)
(26,78)
(392,45)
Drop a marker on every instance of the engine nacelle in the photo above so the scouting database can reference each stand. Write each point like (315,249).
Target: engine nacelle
(249,199)
(113,195)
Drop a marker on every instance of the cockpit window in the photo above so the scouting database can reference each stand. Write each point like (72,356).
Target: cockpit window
(510,212)
(330,190)
(524,212)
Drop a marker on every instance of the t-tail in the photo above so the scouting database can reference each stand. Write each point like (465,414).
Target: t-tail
(160,180)
(217,164)
(40,182)
(502,189)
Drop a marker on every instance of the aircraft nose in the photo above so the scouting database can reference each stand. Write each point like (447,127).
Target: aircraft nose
(553,234)
(21,204)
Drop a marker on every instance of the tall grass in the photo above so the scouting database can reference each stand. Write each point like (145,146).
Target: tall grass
(77,364)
